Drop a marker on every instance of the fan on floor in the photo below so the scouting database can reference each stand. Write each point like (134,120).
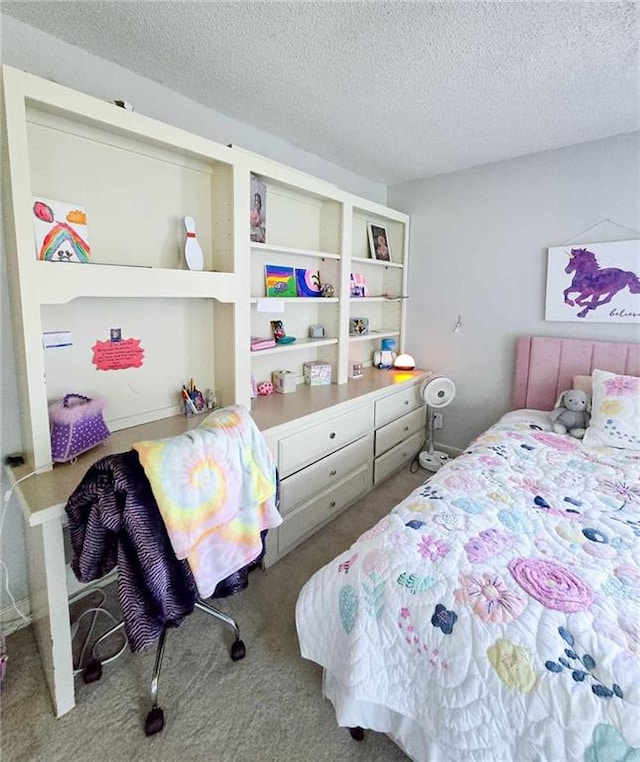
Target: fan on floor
(437,391)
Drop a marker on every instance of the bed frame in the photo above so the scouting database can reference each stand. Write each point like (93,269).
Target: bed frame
(545,366)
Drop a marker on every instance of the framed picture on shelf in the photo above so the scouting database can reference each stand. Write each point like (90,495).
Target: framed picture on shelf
(258,210)
(279,281)
(61,231)
(307,282)
(378,242)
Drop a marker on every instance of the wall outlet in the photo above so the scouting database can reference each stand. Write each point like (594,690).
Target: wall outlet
(438,420)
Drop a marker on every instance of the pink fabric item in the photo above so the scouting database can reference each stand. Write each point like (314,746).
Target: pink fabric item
(546,366)
(551,584)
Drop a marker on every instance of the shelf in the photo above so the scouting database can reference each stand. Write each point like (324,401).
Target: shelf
(298,344)
(375,262)
(371,299)
(374,336)
(296,299)
(265,247)
(59,283)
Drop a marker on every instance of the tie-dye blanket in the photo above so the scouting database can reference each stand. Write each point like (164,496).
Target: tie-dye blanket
(215,487)
(497,607)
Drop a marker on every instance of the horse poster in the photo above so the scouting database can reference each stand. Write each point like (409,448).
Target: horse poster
(594,282)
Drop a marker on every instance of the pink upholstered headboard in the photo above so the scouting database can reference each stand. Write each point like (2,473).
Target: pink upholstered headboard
(546,366)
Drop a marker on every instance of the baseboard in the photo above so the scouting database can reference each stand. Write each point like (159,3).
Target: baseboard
(452,452)
(10,621)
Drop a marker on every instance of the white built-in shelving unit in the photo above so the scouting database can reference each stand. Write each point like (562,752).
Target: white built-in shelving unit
(137,179)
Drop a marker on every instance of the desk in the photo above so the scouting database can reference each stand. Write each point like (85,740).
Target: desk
(43,498)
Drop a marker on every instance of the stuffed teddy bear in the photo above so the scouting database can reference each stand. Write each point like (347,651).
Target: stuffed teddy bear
(571,414)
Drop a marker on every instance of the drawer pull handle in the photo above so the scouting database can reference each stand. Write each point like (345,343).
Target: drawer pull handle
(406,402)
(406,428)
(333,473)
(332,435)
(332,504)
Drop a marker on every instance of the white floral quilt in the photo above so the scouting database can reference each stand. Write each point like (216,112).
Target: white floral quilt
(498,605)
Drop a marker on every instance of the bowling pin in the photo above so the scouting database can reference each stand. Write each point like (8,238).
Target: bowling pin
(192,251)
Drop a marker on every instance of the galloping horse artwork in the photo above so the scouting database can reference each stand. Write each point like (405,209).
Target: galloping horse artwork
(604,286)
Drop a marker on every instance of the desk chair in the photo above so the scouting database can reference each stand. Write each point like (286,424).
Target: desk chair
(117,483)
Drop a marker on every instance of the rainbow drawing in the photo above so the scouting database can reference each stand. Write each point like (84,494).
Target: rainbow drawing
(61,231)
(279,281)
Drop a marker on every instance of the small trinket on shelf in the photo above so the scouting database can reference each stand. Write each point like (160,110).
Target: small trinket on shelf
(327,290)
(192,251)
(211,399)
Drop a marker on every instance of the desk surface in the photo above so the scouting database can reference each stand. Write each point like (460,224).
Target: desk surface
(44,495)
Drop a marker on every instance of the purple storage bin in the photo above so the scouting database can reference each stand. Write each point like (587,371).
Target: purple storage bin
(76,425)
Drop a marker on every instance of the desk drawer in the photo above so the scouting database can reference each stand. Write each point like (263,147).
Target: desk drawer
(399,456)
(396,431)
(301,449)
(398,404)
(303,521)
(325,473)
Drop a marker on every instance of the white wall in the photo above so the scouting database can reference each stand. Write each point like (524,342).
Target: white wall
(478,248)
(34,51)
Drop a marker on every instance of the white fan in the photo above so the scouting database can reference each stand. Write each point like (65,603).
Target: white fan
(437,391)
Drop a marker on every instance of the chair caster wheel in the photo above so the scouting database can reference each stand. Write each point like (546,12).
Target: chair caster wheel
(92,672)
(154,722)
(238,651)
(357,733)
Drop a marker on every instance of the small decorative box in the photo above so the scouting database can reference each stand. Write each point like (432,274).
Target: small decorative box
(284,381)
(355,369)
(358,326)
(316,373)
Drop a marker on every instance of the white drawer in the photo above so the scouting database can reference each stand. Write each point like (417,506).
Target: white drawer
(314,443)
(396,431)
(398,404)
(399,456)
(309,516)
(323,474)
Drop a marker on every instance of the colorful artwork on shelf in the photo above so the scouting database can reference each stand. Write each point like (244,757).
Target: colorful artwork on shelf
(357,285)
(279,281)
(258,210)
(594,282)
(307,282)
(61,231)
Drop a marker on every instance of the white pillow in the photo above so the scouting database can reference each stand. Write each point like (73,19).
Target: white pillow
(584,384)
(615,411)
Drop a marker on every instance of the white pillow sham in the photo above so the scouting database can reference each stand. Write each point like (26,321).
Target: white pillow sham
(615,411)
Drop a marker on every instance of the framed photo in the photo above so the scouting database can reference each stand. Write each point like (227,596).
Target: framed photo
(378,242)
(258,210)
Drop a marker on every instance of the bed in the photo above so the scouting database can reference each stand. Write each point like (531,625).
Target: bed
(494,614)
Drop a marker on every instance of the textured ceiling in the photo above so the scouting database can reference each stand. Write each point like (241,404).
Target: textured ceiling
(391,90)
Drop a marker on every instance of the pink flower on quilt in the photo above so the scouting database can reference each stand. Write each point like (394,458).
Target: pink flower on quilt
(627,492)
(551,584)
(431,548)
(529,484)
(622,386)
(461,480)
(489,460)
(490,598)
(558,442)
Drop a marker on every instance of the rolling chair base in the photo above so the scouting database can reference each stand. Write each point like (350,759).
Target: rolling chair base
(154,721)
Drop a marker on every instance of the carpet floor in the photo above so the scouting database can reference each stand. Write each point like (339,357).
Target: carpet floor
(267,707)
